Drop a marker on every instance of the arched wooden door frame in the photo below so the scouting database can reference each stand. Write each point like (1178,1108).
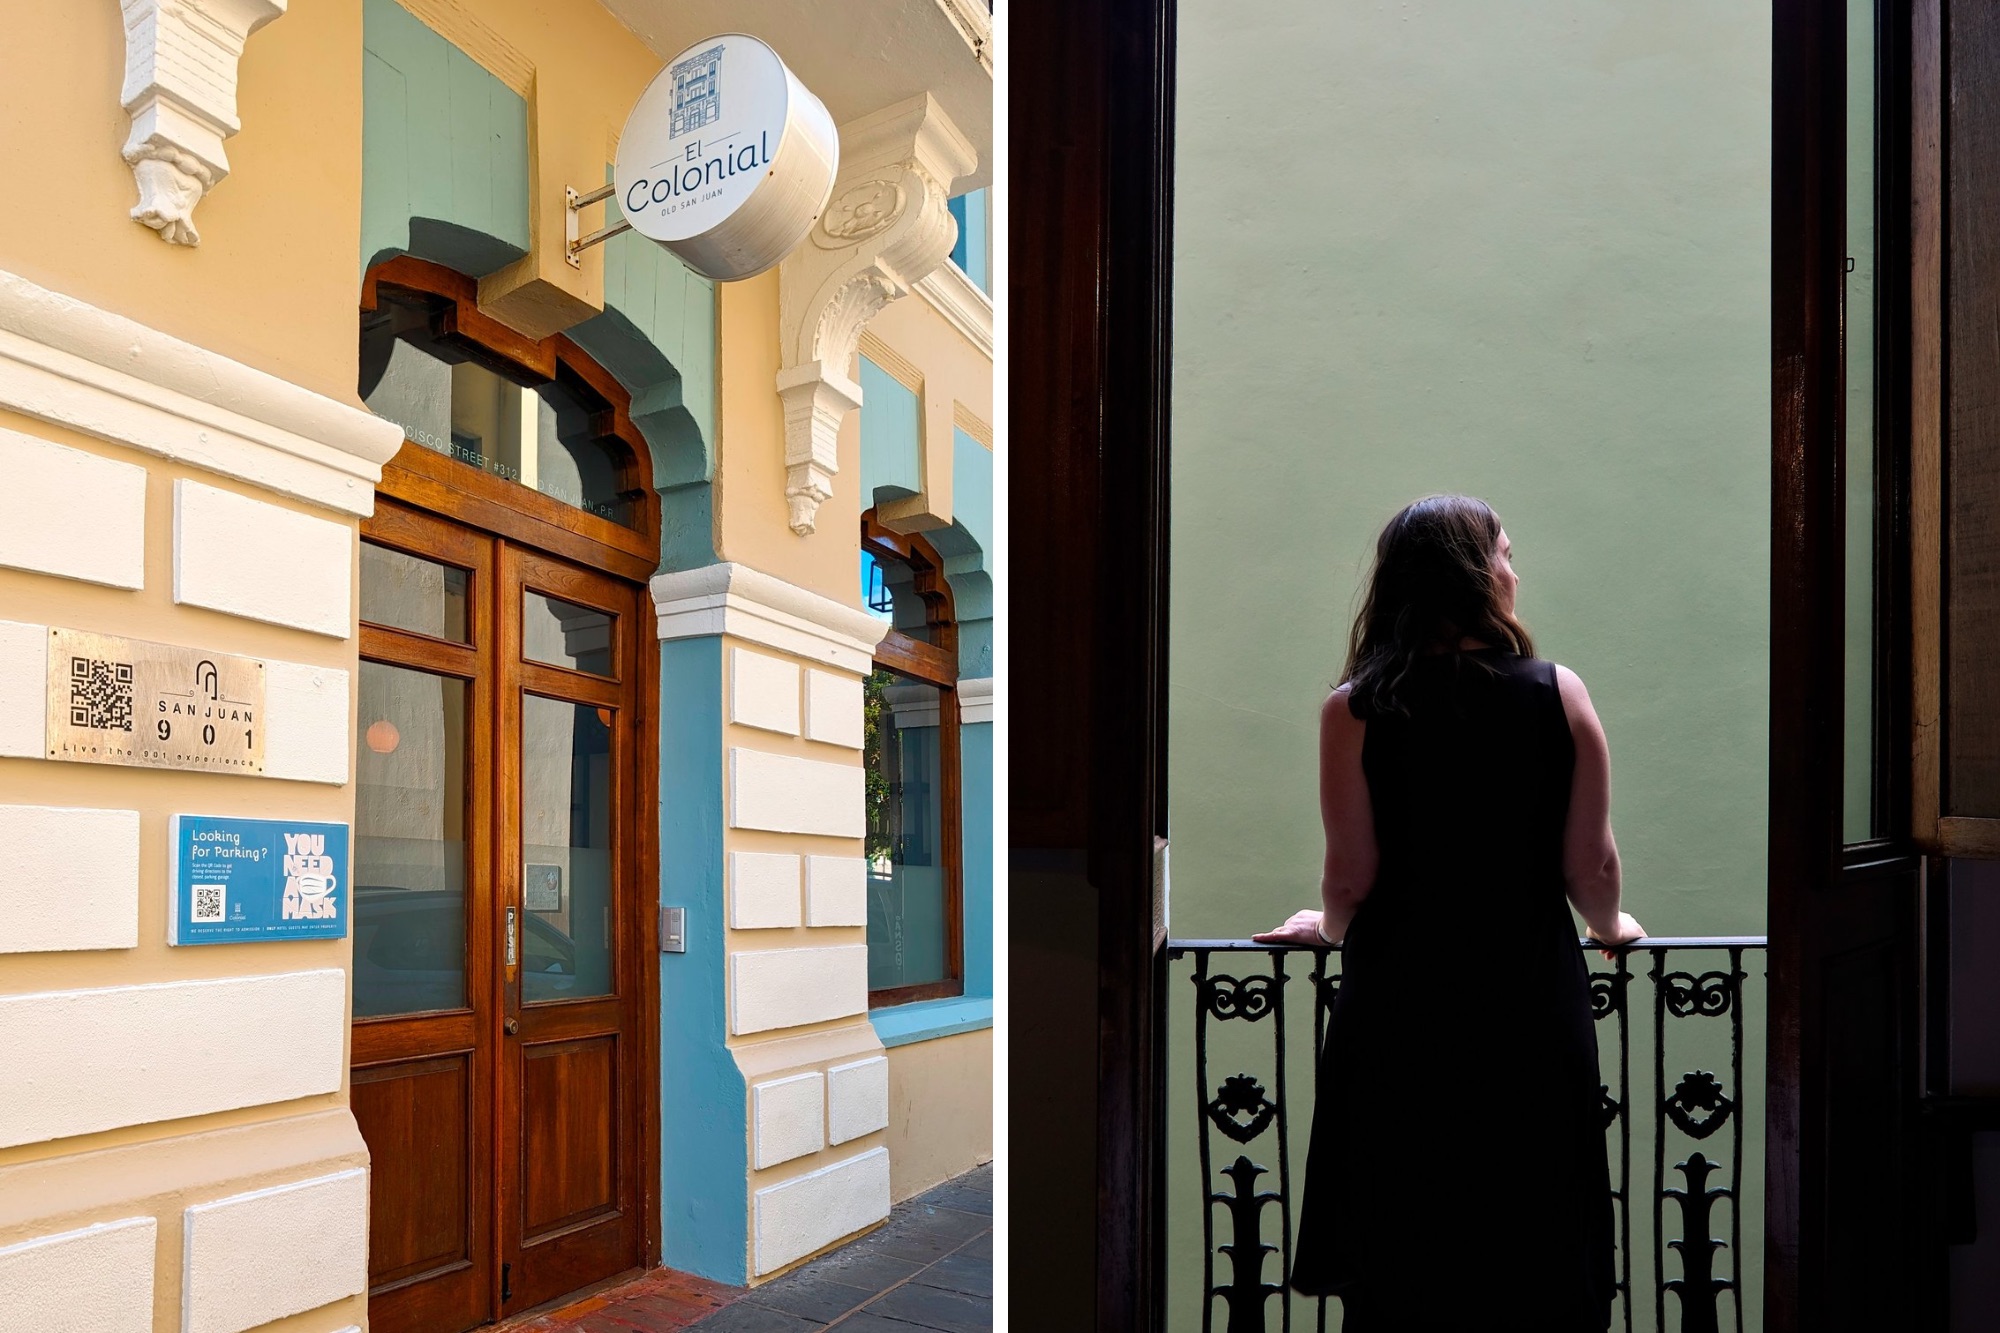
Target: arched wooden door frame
(424,489)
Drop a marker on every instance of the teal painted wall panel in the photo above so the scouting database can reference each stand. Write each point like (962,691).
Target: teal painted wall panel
(892,428)
(704,1158)
(966,547)
(973,250)
(444,150)
(975,746)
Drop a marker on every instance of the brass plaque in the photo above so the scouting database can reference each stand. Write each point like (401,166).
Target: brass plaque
(153,705)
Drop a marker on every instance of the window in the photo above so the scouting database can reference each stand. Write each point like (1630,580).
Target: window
(462,385)
(916,940)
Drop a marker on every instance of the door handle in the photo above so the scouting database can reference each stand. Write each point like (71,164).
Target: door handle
(512,1026)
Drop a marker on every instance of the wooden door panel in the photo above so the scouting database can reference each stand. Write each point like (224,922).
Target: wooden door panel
(569,1134)
(417,1119)
(570,1101)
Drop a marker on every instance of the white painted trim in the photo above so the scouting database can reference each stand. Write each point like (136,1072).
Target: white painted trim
(788,988)
(802,1215)
(763,692)
(80,1061)
(24,690)
(947,290)
(857,1099)
(787,1117)
(746,603)
(71,513)
(69,879)
(259,1256)
(68,362)
(975,700)
(261,561)
(97,1279)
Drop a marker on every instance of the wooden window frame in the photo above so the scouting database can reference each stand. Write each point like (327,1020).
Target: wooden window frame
(935,664)
(432,480)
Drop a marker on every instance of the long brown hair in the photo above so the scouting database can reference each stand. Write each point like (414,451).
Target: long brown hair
(1433,584)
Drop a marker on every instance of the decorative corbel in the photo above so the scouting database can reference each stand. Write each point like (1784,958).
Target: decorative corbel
(886,226)
(180,88)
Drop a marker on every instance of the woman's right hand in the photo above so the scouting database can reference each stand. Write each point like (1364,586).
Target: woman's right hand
(1626,931)
(1302,927)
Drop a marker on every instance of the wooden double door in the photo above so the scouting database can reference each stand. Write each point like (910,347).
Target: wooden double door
(498,891)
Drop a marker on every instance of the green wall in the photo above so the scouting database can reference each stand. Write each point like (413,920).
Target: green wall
(1514,250)
(1519,251)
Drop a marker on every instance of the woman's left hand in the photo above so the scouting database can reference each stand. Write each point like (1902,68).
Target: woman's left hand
(1302,928)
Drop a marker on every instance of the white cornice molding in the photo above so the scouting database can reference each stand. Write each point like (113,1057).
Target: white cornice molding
(70,363)
(747,603)
(975,699)
(974,21)
(887,225)
(181,58)
(958,298)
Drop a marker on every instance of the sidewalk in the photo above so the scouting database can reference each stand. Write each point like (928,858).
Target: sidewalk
(930,1267)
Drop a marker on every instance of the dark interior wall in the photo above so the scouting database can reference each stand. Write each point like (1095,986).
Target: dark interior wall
(1055,168)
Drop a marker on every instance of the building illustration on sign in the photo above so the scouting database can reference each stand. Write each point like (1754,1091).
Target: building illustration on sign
(697,92)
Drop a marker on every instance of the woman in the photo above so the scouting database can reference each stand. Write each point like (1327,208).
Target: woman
(1457,1177)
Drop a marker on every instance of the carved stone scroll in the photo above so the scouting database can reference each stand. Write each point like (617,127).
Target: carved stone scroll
(886,227)
(180,89)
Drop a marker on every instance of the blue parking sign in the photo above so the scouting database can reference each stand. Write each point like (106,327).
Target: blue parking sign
(256,879)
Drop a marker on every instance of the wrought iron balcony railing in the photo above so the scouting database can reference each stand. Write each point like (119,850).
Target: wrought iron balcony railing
(1244,1121)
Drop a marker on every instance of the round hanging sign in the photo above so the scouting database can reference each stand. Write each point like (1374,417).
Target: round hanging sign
(727,159)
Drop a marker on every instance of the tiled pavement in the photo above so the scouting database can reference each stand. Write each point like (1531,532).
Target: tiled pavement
(930,1267)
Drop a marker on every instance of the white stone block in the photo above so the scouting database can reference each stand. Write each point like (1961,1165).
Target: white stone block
(306,723)
(809,1213)
(70,513)
(80,1061)
(69,879)
(24,690)
(790,795)
(763,692)
(786,1114)
(857,1099)
(247,558)
(833,709)
(96,1280)
(763,890)
(783,988)
(256,1257)
(836,891)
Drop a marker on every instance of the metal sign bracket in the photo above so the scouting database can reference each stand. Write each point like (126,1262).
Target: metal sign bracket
(573,244)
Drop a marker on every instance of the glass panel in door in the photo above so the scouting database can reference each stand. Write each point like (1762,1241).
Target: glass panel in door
(566,862)
(409,843)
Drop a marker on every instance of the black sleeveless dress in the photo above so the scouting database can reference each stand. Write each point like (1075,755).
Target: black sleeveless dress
(1457,1176)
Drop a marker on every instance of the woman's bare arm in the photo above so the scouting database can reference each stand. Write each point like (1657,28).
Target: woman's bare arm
(1346,814)
(1349,820)
(1590,856)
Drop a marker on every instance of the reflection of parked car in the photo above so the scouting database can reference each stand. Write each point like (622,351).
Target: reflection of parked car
(409,951)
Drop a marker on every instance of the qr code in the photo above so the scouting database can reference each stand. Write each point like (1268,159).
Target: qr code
(100,694)
(208,902)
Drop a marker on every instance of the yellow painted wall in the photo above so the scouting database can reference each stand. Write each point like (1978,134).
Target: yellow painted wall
(162,1167)
(940,1110)
(272,283)
(752,520)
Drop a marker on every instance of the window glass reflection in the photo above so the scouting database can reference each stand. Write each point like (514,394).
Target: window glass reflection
(566,635)
(450,403)
(565,850)
(409,843)
(411,593)
(907,889)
